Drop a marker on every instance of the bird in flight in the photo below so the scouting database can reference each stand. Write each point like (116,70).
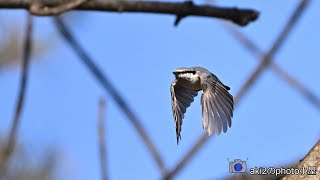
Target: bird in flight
(216,101)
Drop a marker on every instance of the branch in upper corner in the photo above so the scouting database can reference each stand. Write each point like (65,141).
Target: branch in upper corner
(239,16)
(41,10)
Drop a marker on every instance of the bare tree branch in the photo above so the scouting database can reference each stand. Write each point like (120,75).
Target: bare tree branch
(101,139)
(267,58)
(312,160)
(285,76)
(182,9)
(109,88)
(39,9)
(265,61)
(9,147)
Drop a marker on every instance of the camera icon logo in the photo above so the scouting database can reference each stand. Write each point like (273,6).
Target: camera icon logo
(238,166)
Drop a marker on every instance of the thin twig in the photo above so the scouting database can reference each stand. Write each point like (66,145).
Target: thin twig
(285,76)
(203,139)
(9,147)
(101,139)
(41,10)
(183,9)
(109,88)
(267,58)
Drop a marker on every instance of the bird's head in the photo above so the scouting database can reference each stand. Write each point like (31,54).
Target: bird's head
(184,73)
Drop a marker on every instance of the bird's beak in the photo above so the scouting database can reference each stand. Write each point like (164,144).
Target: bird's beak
(174,72)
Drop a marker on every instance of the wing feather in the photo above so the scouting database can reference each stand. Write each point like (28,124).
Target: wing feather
(221,123)
(226,111)
(220,88)
(181,100)
(218,102)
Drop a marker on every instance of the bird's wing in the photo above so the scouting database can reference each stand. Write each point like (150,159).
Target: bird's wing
(181,99)
(217,105)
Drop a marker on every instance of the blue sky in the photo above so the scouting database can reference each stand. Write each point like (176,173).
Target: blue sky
(274,125)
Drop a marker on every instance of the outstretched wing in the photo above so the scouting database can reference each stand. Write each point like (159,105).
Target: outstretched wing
(181,99)
(217,105)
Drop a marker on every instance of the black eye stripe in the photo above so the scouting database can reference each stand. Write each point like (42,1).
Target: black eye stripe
(193,72)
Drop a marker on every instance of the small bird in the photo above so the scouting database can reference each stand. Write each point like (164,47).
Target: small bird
(216,101)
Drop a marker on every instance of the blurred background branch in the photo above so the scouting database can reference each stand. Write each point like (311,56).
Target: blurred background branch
(267,58)
(23,165)
(110,89)
(11,51)
(280,72)
(9,147)
(101,139)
